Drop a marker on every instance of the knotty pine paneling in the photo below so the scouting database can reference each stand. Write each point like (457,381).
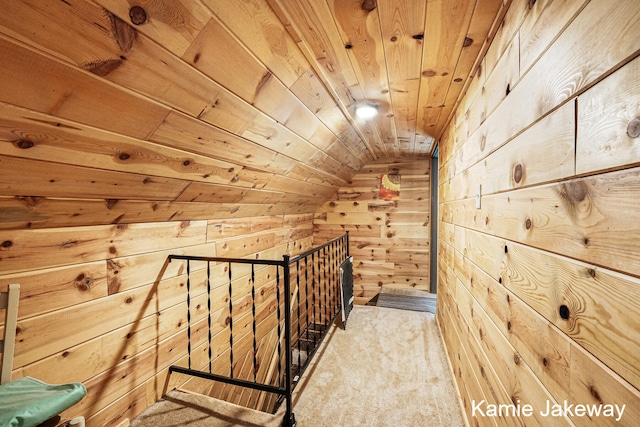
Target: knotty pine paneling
(389,239)
(106,308)
(537,286)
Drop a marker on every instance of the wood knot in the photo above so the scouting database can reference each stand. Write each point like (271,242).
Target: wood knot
(138,15)
(595,393)
(575,191)
(103,68)
(592,272)
(369,5)
(24,144)
(518,173)
(633,129)
(528,224)
(545,362)
(418,36)
(516,358)
(467,42)
(7,244)
(457,80)
(429,73)
(83,283)
(564,312)
(348,46)
(124,156)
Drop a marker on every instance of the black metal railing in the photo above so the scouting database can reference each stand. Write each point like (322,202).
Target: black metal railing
(303,317)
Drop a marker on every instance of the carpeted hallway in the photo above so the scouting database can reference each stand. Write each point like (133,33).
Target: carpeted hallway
(388,368)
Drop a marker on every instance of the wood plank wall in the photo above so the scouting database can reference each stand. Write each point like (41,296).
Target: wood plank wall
(539,288)
(101,305)
(389,239)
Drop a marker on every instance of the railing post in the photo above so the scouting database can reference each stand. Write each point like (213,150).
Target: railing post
(348,254)
(290,420)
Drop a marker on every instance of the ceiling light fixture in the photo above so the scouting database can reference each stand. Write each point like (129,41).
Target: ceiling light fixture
(366,111)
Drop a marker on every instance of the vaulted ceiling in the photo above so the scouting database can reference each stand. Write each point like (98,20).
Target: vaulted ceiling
(143,110)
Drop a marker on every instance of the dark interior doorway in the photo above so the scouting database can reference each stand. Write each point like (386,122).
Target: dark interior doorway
(433,285)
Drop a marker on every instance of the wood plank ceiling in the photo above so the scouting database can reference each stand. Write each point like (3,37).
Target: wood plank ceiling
(114,110)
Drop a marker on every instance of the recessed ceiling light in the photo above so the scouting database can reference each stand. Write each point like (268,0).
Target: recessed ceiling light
(366,111)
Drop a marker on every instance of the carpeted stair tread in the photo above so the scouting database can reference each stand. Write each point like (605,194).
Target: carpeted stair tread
(407,292)
(179,408)
(407,299)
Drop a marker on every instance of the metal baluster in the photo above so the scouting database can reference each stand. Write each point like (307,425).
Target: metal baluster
(313,292)
(326,285)
(313,282)
(306,302)
(338,262)
(230,322)
(332,278)
(339,290)
(253,314)
(299,337)
(279,326)
(290,418)
(339,252)
(189,313)
(209,312)
(336,250)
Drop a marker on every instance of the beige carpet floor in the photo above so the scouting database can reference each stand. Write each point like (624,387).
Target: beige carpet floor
(388,368)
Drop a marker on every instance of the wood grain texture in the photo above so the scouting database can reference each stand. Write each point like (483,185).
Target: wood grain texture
(607,136)
(389,238)
(173,25)
(519,164)
(537,285)
(144,296)
(575,69)
(402,27)
(196,127)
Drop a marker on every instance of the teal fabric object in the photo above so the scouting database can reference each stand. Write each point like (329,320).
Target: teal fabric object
(28,402)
